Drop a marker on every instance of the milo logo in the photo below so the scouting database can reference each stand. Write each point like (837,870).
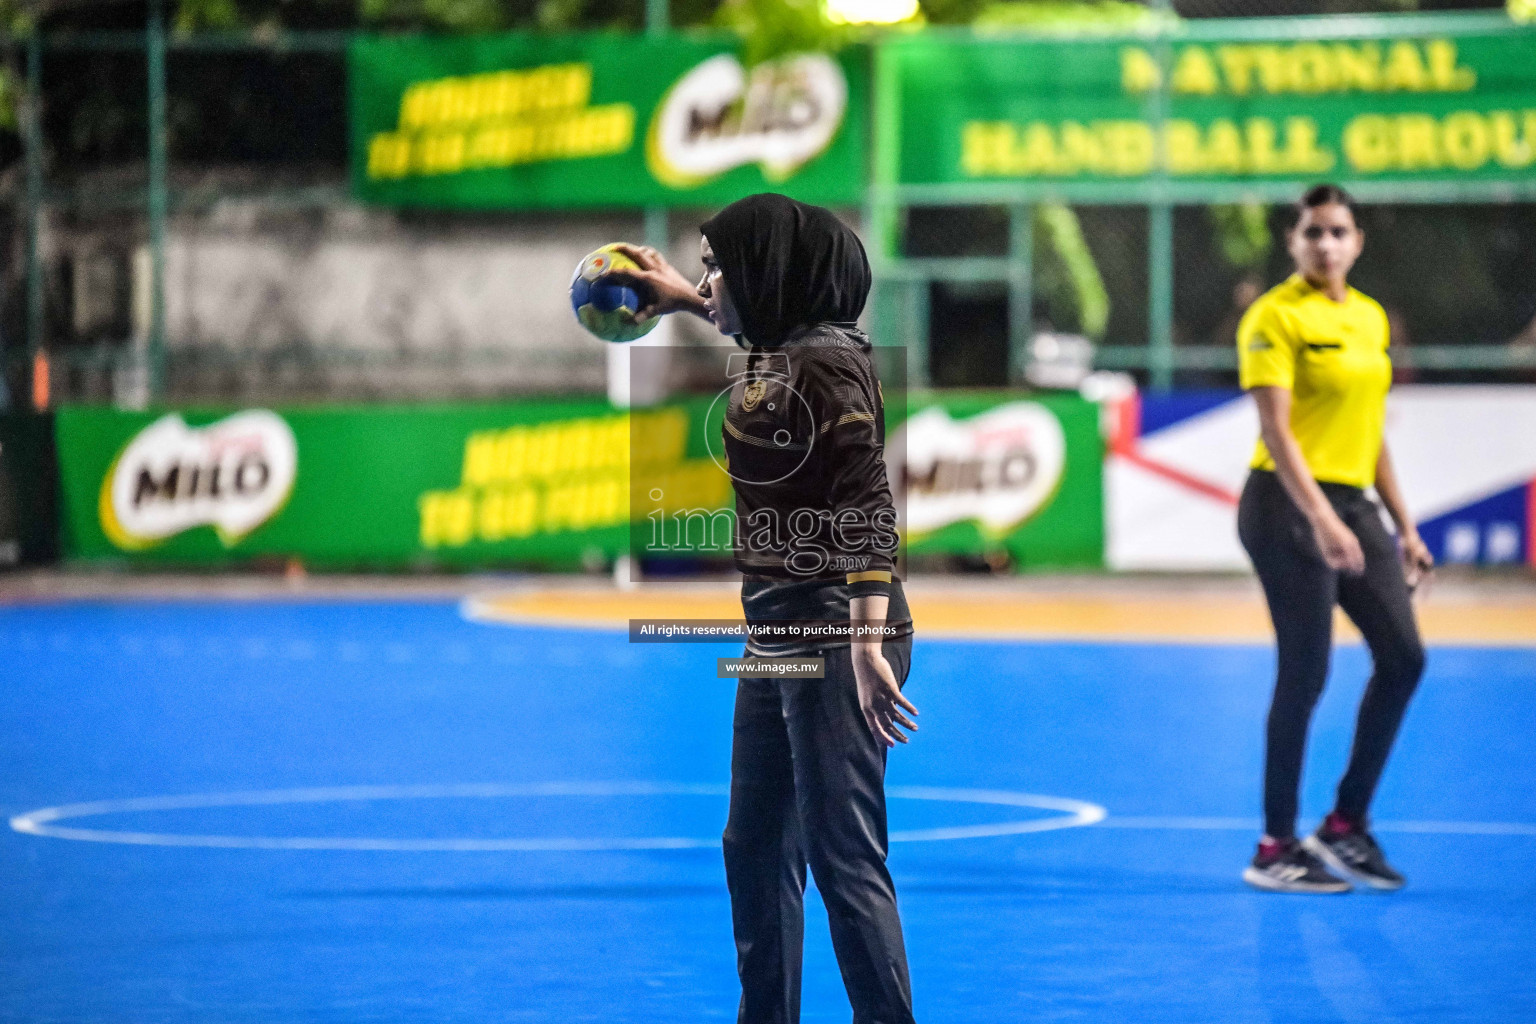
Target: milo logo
(780,115)
(998,468)
(233,475)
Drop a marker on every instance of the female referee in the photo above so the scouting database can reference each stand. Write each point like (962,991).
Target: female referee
(804,437)
(1313,352)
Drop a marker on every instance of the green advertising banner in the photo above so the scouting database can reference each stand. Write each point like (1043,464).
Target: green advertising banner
(1002,472)
(1350,107)
(542,483)
(523,121)
(534,483)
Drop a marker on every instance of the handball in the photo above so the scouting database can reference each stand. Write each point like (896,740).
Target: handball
(607,307)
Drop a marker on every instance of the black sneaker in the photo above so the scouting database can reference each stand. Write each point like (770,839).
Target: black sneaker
(1290,867)
(1354,853)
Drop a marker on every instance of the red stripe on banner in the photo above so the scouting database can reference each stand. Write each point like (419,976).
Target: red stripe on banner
(1530,522)
(1181,478)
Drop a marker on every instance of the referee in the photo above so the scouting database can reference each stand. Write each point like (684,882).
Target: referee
(804,438)
(1313,352)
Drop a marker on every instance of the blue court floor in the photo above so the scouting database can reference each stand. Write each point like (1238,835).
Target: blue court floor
(390,813)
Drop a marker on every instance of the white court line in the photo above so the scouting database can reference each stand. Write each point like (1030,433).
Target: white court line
(41,822)
(1448,828)
(1073,814)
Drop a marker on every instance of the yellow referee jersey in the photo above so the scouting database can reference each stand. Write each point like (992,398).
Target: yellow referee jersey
(1332,357)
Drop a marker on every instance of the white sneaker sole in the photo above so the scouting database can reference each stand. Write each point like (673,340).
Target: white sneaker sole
(1259,880)
(1320,850)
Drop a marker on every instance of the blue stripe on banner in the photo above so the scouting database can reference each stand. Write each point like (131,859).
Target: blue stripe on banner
(1493,531)
(1159,411)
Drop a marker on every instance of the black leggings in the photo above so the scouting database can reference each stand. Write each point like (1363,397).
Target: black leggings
(1301,591)
(808,784)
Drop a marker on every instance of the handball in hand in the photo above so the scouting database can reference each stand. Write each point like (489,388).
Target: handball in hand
(606,305)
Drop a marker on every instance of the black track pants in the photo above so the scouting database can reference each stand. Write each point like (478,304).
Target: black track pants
(1302,591)
(808,785)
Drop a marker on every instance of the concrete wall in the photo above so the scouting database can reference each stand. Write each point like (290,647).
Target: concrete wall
(474,303)
(342,301)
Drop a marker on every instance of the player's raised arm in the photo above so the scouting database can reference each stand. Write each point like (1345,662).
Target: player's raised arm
(663,285)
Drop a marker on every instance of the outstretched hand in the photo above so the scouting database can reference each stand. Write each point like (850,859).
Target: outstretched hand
(880,696)
(1418,563)
(1339,546)
(661,285)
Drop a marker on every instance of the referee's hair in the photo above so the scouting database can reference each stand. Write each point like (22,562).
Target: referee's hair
(1324,195)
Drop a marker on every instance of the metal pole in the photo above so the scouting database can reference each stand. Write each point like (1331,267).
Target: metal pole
(1160,356)
(1160,297)
(917,333)
(32,138)
(1021,290)
(154,45)
(658,17)
(899,310)
(657,24)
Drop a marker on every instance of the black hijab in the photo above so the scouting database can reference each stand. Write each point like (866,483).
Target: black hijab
(787,264)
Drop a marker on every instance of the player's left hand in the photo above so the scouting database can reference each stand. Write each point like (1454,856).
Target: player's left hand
(880,695)
(1418,563)
(664,286)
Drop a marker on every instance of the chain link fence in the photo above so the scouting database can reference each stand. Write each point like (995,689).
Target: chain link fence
(279,286)
(1453,278)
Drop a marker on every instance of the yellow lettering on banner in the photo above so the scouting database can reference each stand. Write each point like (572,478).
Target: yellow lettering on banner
(1368,143)
(584,505)
(694,484)
(1303,68)
(595,131)
(1237,63)
(490,521)
(507,513)
(1126,148)
(658,437)
(510,455)
(1039,156)
(389,156)
(1464,140)
(1262,156)
(1273,68)
(440,154)
(1130,148)
(447,518)
(1138,71)
(1224,148)
(1081,149)
(566,475)
(1508,147)
(1183,144)
(500,119)
(1195,73)
(1357,67)
(497,95)
(980,146)
(1312,69)
(1039,149)
(479,459)
(548,450)
(1405,71)
(491,147)
(543,453)
(1444,72)
(1416,142)
(1302,152)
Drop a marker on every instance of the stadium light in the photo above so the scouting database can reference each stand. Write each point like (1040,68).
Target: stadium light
(871,12)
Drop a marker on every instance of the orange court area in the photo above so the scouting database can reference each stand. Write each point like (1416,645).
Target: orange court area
(1135,610)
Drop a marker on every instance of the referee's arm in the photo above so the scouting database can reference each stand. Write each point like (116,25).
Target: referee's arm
(1266,353)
